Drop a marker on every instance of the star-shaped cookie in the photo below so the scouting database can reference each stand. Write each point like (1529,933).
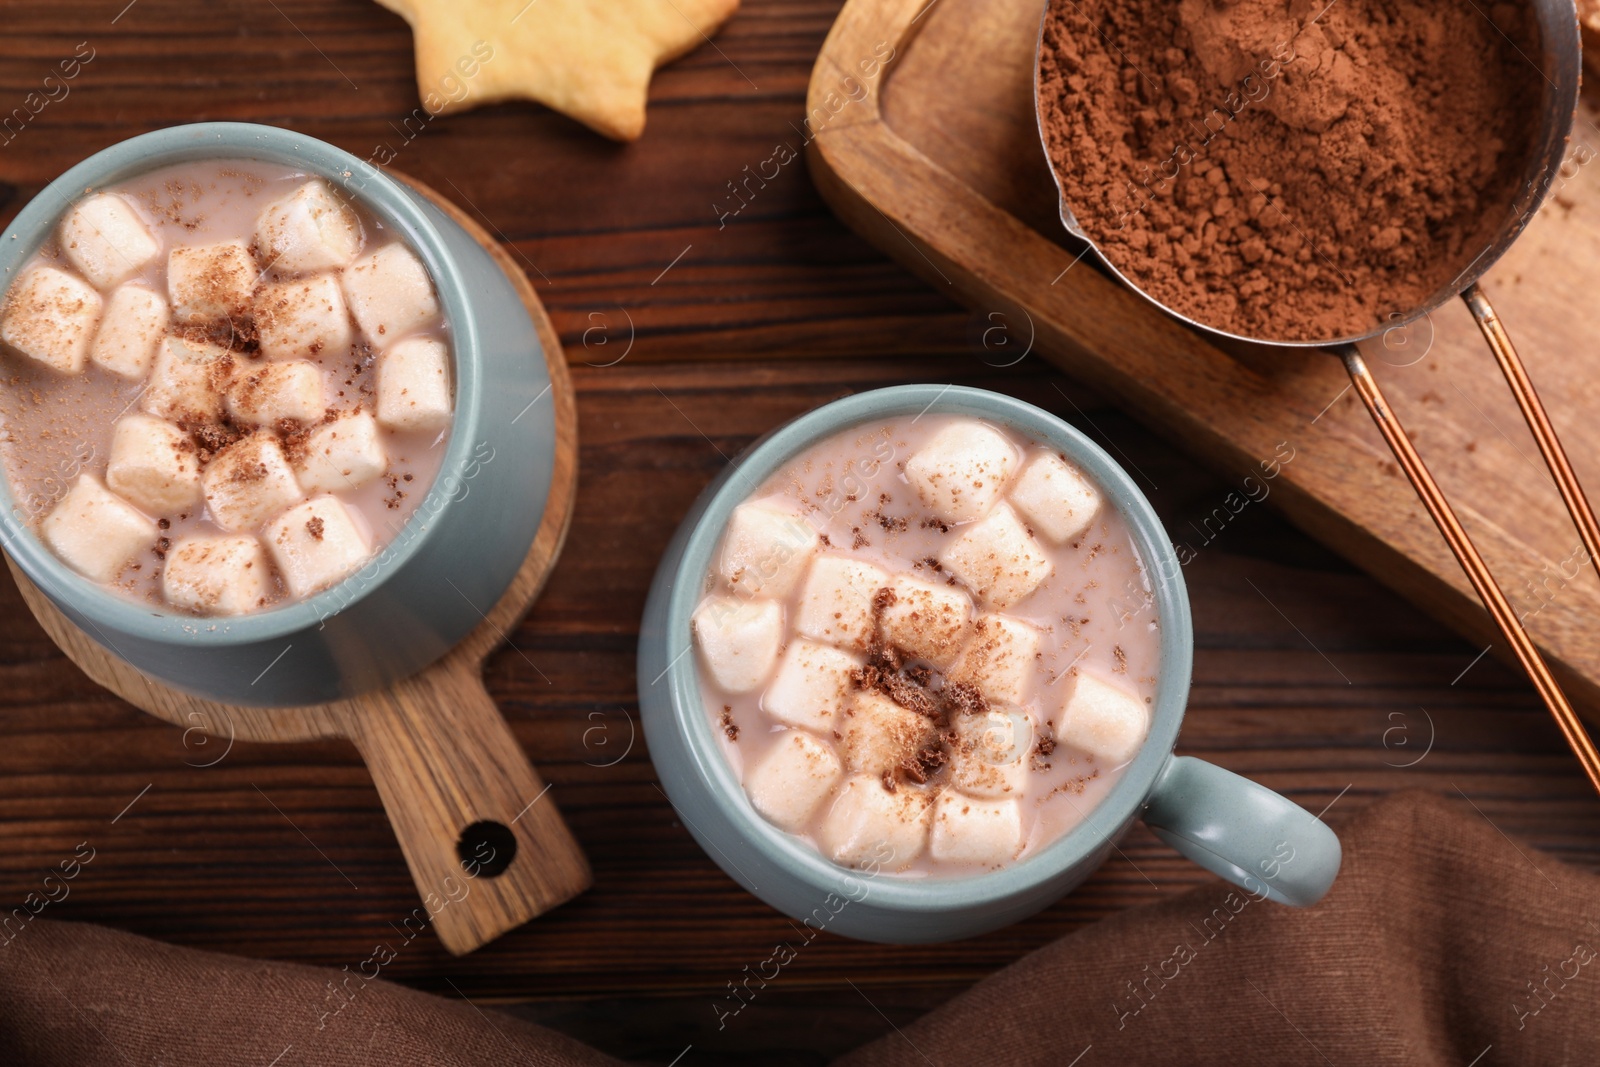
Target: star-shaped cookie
(590,59)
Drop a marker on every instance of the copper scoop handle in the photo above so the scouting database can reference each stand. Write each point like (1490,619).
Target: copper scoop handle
(1544,432)
(1466,552)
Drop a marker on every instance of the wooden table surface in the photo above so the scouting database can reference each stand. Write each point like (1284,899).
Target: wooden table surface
(688,338)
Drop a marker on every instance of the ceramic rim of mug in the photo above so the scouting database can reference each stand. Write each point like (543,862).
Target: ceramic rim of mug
(1102,822)
(378,194)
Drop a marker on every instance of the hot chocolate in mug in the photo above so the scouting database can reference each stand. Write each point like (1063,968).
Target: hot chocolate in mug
(427,587)
(1249,835)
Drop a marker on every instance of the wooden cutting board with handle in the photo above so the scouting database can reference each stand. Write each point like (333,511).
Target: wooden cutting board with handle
(470,811)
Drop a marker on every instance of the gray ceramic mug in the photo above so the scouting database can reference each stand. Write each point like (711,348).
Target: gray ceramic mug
(1251,836)
(448,565)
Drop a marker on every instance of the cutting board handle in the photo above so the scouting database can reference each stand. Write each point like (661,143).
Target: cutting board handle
(487,848)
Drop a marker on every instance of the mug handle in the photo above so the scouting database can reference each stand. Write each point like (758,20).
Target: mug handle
(1259,840)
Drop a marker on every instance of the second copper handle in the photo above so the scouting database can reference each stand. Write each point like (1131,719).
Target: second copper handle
(1544,432)
(1477,570)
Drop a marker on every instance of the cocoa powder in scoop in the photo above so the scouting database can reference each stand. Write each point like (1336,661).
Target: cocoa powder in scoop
(1293,170)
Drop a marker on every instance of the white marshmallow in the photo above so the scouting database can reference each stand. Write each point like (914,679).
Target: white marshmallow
(812,687)
(997,559)
(765,549)
(263,394)
(414,385)
(390,293)
(302,317)
(134,321)
(217,575)
(189,381)
(962,471)
(793,777)
(310,229)
(738,640)
(999,659)
(1056,499)
(316,544)
(153,465)
(212,281)
(95,532)
(343,454)
(984,833)
(989,756)
(50,317)
(867,824)
(249,482)
(928,621)
(879,737)
(836,601)
(105,238)
(1102,719)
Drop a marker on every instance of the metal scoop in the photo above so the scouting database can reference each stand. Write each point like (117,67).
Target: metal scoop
(1559,62)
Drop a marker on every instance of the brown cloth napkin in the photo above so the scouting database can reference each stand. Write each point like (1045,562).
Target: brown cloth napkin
(1443,942)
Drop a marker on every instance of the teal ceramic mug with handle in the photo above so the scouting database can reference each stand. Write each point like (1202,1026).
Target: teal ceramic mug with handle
(1261,841)
(451,561)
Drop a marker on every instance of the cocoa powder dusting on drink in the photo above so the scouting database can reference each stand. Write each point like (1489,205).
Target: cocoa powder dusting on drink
(916,687)
(1291,170)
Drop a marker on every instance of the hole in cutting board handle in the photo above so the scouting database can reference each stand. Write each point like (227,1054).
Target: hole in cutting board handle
(486,848)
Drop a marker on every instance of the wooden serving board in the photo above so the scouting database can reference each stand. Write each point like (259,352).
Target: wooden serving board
(936,159)
(449,770)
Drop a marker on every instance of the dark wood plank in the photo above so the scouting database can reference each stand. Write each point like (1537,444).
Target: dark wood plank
(778,311)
